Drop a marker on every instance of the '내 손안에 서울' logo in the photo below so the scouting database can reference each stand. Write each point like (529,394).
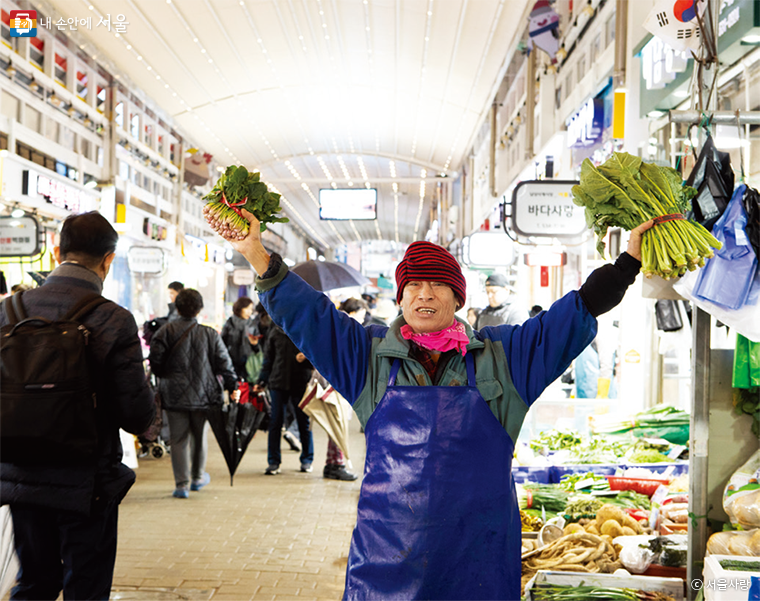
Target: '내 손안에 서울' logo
(23,23)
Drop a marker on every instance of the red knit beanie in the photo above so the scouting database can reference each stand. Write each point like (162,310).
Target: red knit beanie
(429,262)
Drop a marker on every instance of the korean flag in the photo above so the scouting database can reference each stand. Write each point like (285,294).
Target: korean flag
(675,23)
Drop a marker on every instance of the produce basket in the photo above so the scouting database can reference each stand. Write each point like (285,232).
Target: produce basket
(525,473)
(644,486)
(721,584)
(670,586)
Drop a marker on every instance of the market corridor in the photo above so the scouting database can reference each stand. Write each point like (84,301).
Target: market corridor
(266,537)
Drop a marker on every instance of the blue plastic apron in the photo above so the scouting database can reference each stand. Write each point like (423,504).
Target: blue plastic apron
(438,516)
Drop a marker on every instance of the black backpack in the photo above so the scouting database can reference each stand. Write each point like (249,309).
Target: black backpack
(48,404)
(152,326)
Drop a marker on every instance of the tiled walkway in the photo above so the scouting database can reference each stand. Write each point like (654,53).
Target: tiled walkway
(266,537)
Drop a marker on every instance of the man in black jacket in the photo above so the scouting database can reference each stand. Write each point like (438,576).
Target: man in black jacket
(286,372)
(65,517)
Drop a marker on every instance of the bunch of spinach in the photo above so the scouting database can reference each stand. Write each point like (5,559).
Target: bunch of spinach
(235,190)
(625,192)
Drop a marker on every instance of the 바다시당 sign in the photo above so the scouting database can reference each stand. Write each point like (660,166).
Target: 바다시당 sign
(546,208)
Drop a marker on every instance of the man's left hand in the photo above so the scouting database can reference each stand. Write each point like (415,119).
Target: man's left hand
(634,242)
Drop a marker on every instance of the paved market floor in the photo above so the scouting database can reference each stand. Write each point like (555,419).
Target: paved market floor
(265,538)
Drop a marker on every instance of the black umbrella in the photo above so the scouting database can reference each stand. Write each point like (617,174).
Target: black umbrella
(325,275)
(234,425)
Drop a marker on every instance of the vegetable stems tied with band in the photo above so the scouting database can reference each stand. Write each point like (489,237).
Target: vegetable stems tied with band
(626,192)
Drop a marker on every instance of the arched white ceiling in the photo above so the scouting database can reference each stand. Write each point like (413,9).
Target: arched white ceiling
(359,89)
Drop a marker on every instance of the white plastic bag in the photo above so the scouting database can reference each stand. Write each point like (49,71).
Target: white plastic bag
(741,497)
(746,321)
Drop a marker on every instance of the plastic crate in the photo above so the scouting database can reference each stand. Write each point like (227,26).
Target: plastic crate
(540,475)
(670,586)
(730,585)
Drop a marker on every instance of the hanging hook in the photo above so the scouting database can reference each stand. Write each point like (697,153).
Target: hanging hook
(741,144)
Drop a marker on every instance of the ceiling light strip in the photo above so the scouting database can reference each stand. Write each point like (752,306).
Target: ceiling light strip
(474,86)
(353,226)
(454,52)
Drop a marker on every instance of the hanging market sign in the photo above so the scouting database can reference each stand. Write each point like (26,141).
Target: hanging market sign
(242,277)
(146,259)
(545,208)
(664,77)
(19,237)
(57,193)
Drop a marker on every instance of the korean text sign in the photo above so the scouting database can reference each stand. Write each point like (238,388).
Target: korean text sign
(546,208)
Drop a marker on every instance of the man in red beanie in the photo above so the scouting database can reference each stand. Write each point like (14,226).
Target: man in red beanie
(441,406)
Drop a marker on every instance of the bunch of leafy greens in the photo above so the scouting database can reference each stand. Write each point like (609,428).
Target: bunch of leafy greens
(238,189)
(747,400)
(554,440)
(625,192)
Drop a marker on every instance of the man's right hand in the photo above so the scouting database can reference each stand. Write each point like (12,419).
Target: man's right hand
(251,247)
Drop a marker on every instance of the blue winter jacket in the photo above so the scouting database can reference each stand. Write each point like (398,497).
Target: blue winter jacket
(513,364)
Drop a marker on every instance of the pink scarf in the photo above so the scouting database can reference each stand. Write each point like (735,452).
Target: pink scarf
(454,336)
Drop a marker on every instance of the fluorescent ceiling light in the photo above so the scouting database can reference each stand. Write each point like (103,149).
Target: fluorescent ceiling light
(751,39)
(18,213)
(681,93)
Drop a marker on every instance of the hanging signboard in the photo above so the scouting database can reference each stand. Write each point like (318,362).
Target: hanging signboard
(545,208)
(242,277)
(19,237)
(146,259)
(585,127)
(487,249)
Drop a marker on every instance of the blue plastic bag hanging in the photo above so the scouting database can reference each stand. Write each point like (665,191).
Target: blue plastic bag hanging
(728,277)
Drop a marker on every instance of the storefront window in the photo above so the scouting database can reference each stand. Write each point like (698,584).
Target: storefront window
(123,170)
(610,26)
(101,106)
(32,119)
(9,106)
(59,70)
(119,114)
(81,85)
(51,129)
(134,126)
(37,52)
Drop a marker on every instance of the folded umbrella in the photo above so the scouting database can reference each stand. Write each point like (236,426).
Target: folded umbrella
(234,425)
(331,411)
(325,275)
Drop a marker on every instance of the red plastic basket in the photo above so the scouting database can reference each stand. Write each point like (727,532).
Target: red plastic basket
(644,486)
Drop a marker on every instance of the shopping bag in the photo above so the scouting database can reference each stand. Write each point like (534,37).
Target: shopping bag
(713,178)
(151,434)
(253,366)
(668,315)
(751,202)
(746,363)
(728,277)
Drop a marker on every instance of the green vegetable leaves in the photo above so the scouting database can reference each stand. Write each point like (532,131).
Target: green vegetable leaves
(625,192)
(238,189)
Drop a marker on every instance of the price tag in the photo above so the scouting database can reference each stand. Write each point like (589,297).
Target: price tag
(585,483)
(675,451)
(660,495)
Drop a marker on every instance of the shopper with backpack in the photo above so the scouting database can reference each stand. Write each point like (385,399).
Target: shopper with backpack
(61,471)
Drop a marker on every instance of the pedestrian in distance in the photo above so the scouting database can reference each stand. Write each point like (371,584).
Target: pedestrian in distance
(174,289)
(65,511)
(501,308)
(237,333)
(442,406)
(187,357)
(286,373)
